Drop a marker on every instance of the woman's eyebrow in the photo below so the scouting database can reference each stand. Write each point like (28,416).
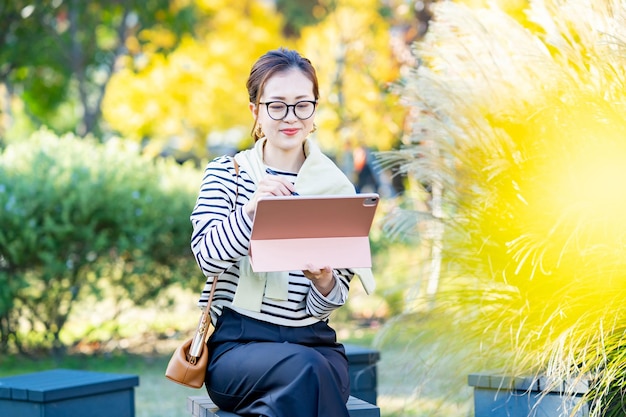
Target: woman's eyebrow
(283,98)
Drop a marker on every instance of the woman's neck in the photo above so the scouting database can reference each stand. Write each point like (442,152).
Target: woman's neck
(289,161)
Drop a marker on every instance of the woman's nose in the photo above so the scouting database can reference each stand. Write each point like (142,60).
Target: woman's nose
(291,113)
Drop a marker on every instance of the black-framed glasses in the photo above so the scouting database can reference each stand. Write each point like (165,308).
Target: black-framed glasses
(278,110)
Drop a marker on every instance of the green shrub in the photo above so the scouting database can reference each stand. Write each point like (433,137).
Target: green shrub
(77,217)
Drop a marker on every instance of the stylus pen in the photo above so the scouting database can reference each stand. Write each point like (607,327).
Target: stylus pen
(272,172)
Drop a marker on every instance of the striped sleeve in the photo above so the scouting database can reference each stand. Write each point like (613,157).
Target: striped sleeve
(221,231)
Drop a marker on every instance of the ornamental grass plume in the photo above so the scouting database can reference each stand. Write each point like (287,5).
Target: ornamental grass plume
(520,128)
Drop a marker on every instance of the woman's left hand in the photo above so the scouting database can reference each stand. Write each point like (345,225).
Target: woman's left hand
(322,278)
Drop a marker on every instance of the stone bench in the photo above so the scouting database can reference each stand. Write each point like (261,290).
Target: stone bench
(202,406)
(68,393)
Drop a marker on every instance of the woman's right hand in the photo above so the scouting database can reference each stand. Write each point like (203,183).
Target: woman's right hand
(269,185)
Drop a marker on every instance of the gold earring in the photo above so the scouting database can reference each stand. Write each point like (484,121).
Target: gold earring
(258,131)
(314,129)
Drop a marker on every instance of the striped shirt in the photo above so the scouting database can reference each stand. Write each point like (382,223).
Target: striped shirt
(221,236)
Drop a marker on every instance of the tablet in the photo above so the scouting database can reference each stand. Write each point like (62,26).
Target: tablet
(290,232)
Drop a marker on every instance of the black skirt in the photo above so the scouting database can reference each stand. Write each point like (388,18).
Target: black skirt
(262,369)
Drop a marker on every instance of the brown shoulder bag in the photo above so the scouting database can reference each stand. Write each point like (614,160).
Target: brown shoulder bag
(188,363)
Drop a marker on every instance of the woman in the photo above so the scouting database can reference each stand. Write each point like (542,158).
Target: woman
(272,352)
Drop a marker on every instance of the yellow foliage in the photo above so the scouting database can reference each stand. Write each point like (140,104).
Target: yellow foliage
(176,5)
(158,38)
(212,6)
(132,45)
(199,88)
(351,50)
(197,92)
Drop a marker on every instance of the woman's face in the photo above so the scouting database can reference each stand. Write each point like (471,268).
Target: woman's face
(290,87)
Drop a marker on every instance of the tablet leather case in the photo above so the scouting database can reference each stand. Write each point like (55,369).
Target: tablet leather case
(290,232)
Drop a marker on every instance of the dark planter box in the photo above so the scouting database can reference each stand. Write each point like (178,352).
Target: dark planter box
(362,364)
(68,393)
(505,396)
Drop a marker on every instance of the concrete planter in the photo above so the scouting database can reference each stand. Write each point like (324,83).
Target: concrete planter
(68,393)
(505,396)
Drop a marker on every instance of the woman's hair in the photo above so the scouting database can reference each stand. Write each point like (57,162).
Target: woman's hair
(273,62)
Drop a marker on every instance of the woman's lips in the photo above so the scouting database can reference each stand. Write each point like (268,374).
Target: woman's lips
(290,132)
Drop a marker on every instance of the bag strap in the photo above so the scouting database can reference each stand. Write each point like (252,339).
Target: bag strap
(199,339)
(236,165)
